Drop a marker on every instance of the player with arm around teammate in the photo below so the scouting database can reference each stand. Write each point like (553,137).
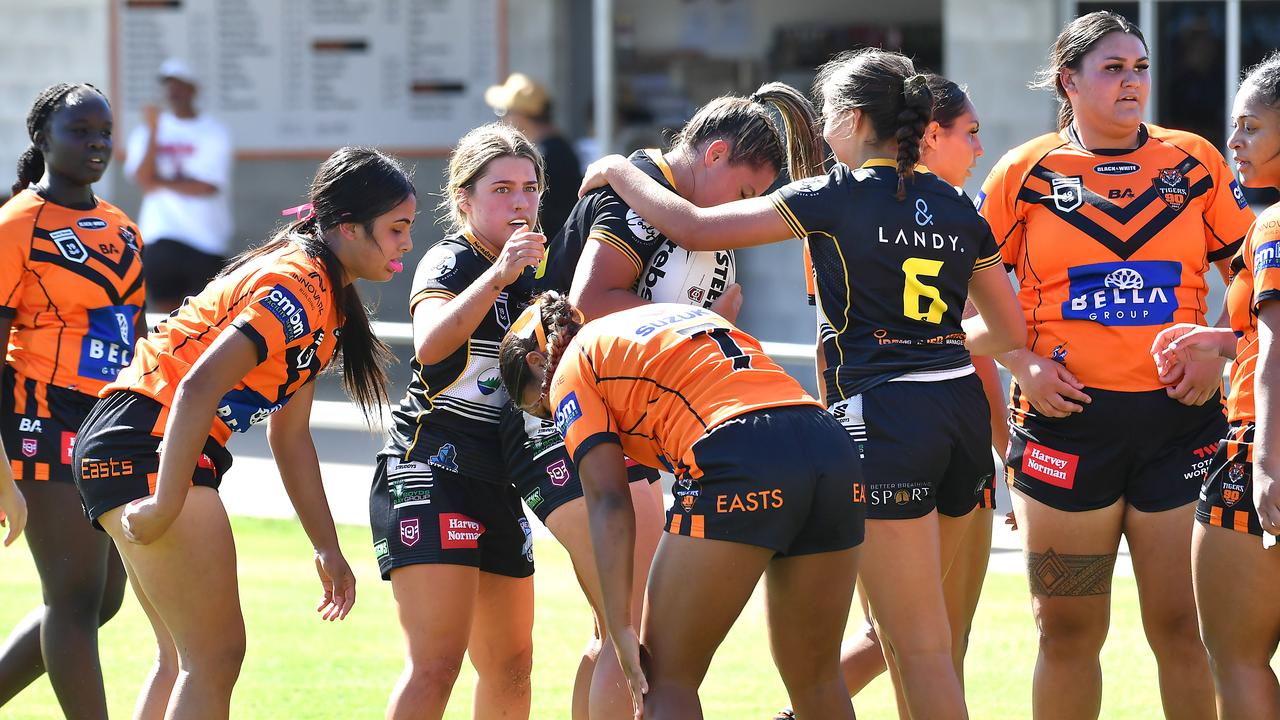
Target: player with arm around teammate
(896,253)
(1110,226)
(607,258)
(448,529)
(247,349)
(1236,575)
(767,484)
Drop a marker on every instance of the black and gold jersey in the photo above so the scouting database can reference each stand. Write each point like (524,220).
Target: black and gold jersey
(458,400)
(891,276)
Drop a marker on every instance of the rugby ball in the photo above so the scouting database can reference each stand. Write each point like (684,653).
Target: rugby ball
(676,275)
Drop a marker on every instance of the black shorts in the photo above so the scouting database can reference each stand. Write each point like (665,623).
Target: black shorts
(38,423)
(1145,447)
(174,270)
(785,478)
(117,455)
(1226,500)
(987,498)
(924,445)
(539,466)
(425,515)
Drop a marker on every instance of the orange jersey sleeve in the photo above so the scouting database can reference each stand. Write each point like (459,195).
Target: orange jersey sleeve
(1256,280)
(282,302)
(657,377)
(72,282)
(1110,247)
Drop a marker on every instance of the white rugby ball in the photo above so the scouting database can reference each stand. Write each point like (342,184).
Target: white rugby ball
(676,275)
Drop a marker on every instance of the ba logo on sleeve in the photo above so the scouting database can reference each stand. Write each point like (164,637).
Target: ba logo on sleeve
(1136,292)
(286,308)
(69,245)
(568,413)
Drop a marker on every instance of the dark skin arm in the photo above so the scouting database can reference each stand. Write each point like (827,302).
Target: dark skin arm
(613,535)
(13,507)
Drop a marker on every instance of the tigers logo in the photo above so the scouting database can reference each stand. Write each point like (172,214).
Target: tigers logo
(1068,193)
(1234,485)
(687,492)
(1172,187)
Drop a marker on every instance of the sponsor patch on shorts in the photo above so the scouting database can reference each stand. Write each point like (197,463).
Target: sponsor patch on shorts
(1052,466)
(459,532)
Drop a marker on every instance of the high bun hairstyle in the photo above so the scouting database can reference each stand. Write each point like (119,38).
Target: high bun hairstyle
(560,325)
(355,185)
(754,136)
(49,101)
(891,94)
(1073,43)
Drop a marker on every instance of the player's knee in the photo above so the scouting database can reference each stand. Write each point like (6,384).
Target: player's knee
(1070,632)
(512,668)
(112,599)
(1173,631)
(432,675)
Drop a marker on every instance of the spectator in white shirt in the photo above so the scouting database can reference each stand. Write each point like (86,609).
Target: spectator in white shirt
(182,161)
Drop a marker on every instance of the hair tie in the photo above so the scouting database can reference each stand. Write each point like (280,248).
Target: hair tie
(529,325)
(755,98)
(304,212)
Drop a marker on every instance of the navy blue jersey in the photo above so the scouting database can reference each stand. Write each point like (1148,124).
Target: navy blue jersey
(602,215)
(892,276)
(456,402)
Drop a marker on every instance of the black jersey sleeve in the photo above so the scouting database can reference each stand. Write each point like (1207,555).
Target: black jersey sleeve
(988,249)
(443,272)
(814,204)
(614,223)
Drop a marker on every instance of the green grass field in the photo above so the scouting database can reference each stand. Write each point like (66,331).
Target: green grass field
(301,667)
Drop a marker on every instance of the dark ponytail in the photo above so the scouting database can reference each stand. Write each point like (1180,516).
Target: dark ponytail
(560,325)
(917,110)
(754,136)
(355,185)
(49,101)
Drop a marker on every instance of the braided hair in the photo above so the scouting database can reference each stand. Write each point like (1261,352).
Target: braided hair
(49,101)
(561,322)
(890,93)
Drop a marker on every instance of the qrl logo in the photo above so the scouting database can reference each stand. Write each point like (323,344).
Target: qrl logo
(1068,192)
(69,245)
(409,532)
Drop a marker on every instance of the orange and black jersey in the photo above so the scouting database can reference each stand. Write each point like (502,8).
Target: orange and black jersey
(283,302)
(71,281)
(656,378)
(605,217)
(1109,247)
(891,276)
(461,396)
(1255,279)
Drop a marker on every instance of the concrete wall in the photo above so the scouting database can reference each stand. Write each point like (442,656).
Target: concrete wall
(42,43)
(996,47)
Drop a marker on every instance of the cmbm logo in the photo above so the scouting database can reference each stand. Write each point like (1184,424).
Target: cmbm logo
(1068,193)
(1238,194)
(288,310)
(568,412)
(1267,256)
(1138,292)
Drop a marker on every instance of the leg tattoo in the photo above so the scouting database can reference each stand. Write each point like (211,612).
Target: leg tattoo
(1052,574)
